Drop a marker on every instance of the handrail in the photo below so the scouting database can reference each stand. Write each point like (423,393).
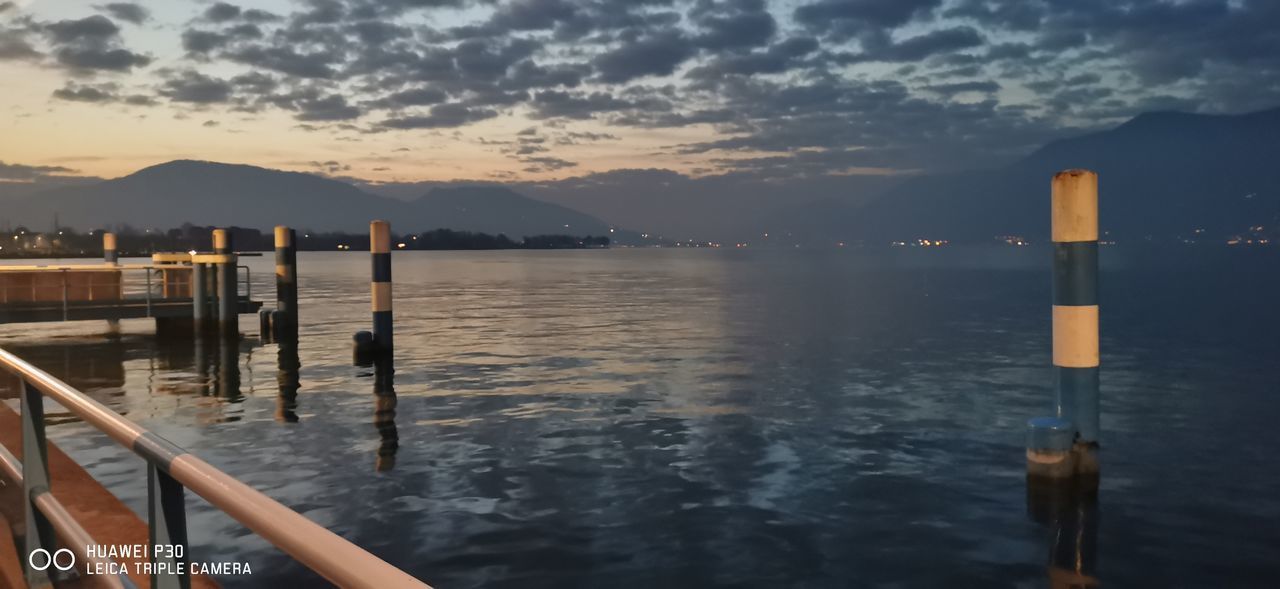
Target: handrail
(170,469)
(73,535)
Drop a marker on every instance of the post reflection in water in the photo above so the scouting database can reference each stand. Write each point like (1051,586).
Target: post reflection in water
(1071,515)
(203,376)
(288,380)
(228,382)
(384,413)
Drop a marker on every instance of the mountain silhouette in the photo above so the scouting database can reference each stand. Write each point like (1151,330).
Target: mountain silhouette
(1161,175)
(209,193)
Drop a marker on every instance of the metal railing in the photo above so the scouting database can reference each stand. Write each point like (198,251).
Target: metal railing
(121,290)
(170,471)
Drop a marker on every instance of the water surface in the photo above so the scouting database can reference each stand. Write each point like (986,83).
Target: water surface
(693,418)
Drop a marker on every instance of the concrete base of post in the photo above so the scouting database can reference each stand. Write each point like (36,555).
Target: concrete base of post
(364,350)
(1049,450)
(1087,467)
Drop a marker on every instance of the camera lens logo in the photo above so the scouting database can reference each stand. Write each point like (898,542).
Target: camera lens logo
(54,560)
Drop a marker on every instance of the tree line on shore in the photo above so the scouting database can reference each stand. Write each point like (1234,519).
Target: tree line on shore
(21,242)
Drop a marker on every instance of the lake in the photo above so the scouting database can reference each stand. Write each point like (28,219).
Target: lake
(694,418)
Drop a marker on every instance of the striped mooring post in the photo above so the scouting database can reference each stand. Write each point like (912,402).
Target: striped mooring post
(284,324)
(379,342)
(1066,446)
(228,303)
(110,254)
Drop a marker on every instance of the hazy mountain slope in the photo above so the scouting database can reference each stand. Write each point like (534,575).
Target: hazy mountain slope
(209,193)
(1161,174)
(500,210)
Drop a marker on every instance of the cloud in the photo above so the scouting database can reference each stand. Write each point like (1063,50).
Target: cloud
(87,93)
(90,44)
(15,45)
(193,87)
(842,19)
(332,107)
(838,83)
(221,12)
(743,24)
(546,164)
(82,58)
(441,116)
(657,55)
(20,172)
(127,11)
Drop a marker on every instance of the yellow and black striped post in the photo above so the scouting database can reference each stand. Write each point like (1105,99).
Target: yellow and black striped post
(110,254)
(380,249)
(228,303)
(285,324)
(1075,310)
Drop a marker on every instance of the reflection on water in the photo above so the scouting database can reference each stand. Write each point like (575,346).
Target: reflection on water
(288,367)
(384,415)
(1070,516)
(694,419)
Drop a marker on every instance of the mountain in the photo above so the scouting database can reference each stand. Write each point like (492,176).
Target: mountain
(1160,174)
(673,205)
(209,193)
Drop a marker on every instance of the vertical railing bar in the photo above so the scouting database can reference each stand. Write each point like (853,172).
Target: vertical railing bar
(148,292)
(167,524)
(64,294)
(35,481)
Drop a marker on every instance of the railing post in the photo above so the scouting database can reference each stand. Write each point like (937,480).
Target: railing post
(148,292)
(35,481)
(167,522)
(64,294)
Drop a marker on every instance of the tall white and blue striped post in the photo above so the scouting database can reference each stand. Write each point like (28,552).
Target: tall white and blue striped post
(1066,446)
(380,249)
(1075,310)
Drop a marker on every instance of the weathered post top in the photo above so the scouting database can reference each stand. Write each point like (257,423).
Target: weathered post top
(221,241)
(109,251)
(1075,206)
(284,237)
(380,237)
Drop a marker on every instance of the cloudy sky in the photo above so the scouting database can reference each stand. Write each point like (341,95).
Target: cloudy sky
(412,90)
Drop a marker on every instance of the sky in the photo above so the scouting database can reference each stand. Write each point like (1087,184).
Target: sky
(540,90)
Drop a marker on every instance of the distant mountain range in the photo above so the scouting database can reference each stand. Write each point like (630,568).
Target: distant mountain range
(1161,175)
(207,193)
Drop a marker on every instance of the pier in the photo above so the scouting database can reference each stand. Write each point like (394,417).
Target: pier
(171,289)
